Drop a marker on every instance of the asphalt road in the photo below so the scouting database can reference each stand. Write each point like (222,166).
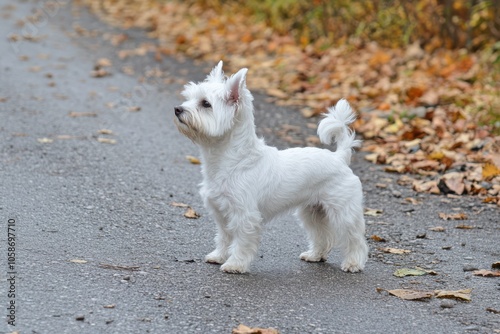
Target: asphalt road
(89,167)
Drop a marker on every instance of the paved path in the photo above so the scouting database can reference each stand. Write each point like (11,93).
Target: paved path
(99,248)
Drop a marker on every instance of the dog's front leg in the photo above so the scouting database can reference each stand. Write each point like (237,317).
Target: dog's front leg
(246,232)
(223,238)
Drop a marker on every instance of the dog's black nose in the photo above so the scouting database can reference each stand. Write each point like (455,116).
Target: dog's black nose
(178,110)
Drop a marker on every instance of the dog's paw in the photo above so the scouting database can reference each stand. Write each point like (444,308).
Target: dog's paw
(215,258)
(310,256)
(351,267)
(233,268)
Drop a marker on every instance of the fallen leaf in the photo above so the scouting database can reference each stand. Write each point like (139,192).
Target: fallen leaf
(495,265)
(103,62)
(377,238)
(242,329)
(428,271)
(458,294)
(118,267)
(465,227)
(191,214)
(193,160)
(105,132)
(490,171)
(134,108)
(409,272)
(394,250)
(78,261)
(492,310)
(100,73)
(452,183)
(106,140)
(437,229)
(411,294)
(412,200)
(179,205)
(373,212)
(109,306)
(45,140)
(453,216)
(82,114)
(487,273)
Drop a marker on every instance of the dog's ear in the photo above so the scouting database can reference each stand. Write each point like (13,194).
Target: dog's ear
(216,75)
(236,84)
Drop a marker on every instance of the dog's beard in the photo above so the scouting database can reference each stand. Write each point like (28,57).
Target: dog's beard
(187,125)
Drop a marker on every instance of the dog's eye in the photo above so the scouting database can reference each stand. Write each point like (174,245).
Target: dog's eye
(206,104)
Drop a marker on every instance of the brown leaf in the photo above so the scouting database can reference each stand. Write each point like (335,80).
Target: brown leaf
(411,294)
(495,265)
(453,216)
(191,214)
(437,229)
(100,73)
(487,273)
(118,267)
(242,329)
(134,108)
(452,183)
(109,306)
(377,238)
(492,310)
(394,250)
(458,294)
(82,114)
(465,227)
(103,62)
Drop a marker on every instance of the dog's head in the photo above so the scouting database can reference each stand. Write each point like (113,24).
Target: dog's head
(213,106)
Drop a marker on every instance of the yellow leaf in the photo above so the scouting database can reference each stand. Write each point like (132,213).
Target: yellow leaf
(490,171)
(193,160)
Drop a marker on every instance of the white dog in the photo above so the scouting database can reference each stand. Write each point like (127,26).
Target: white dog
(247,183)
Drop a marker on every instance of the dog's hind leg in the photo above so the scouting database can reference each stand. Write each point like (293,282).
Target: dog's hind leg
(318,228)
(349,226)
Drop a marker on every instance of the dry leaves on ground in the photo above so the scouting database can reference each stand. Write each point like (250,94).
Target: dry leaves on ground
(391,250)
(487,273)
(403,272)
(453,216)
(431,115)
(408,294)
(242,329)
(189,213)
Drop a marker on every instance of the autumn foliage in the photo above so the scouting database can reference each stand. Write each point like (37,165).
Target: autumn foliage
(424,75)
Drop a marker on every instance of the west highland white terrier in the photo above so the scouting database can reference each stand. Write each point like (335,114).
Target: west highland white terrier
(247,183)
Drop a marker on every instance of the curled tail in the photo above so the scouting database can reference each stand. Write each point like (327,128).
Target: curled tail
(335,127)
